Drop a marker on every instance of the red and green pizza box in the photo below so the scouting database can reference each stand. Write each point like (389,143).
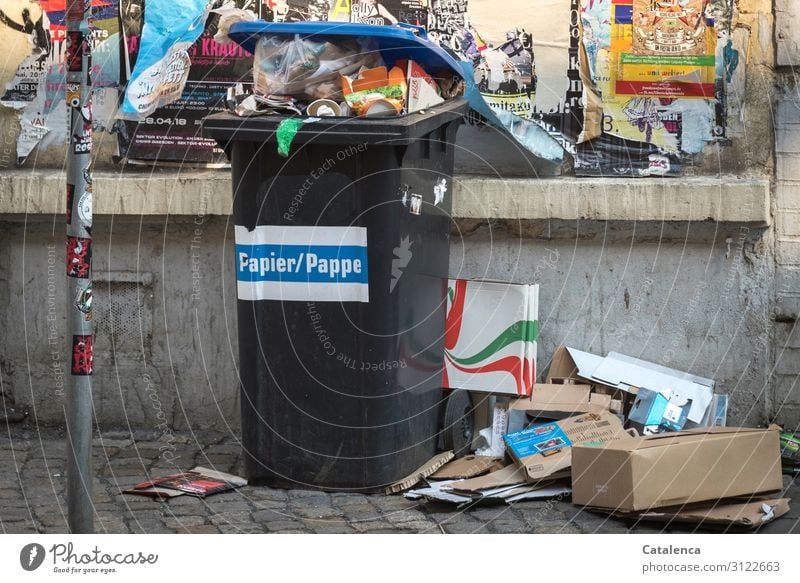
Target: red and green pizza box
(490,336)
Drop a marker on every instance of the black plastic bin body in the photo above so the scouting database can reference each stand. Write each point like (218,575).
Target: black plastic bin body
(346,394)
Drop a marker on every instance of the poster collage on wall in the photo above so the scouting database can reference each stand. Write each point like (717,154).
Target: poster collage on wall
(625,87)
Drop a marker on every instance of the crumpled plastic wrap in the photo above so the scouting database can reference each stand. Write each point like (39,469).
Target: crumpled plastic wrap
(309,68)
(162,67)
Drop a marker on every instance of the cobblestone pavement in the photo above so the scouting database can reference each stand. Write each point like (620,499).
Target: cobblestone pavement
(32,497)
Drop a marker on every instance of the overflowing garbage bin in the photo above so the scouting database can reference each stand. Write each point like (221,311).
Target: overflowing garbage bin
(341,261)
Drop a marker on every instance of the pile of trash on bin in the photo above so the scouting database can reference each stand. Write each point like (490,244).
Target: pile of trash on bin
(620,435)
(319,76)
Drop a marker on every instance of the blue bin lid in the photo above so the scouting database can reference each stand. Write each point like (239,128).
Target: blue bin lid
(399,41)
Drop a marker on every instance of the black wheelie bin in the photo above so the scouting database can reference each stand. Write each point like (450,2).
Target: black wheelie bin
(341,260)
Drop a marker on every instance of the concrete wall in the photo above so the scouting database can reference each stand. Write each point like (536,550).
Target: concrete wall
(165,348)
(695,296)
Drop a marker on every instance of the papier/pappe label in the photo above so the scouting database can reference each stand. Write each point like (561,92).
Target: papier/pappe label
(302,263)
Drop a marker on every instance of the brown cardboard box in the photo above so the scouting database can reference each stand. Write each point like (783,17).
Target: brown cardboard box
(562,366)
(558,400)
(677,468)
(563,371)
(590,428)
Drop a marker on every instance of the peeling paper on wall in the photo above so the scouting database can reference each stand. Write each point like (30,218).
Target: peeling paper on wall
(44,126)
(661,80)
(38,87)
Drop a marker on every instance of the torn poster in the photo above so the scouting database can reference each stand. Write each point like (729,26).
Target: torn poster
(653,64)
(663,48)
(526,67)
(171,133)
(39,84)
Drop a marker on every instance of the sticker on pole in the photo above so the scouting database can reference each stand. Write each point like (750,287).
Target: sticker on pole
(326,264)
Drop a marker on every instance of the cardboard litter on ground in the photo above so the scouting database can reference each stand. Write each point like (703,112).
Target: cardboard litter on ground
(623,437)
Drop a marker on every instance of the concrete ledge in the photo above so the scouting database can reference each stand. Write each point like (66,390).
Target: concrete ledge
(607,199)
(208,192)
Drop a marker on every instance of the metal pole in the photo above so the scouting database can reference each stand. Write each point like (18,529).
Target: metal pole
(79,268)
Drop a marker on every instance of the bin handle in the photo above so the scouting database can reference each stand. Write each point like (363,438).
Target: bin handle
(415,28)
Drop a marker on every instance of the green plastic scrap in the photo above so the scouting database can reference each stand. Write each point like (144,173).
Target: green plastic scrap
(285,134)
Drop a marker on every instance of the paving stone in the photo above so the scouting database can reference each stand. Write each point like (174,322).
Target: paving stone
(393,502)
(228,448)
(556,528)
(360,508)
(183,521)
(284,525)
(489,514)
(403,516)
(419,526)
(346,499)
(342,529)
(270,516)
(264,493)
(61,529)
(14,513)
(142,521)
(20,527)
(125,472)
(241,528)
(514,526)
(116,527)
(150,527)
(464,527)
(371,525)
(185,510)
(9,494)
(364,516)
(199,529)
(230,518)
(309,495)
(104,443)
(313,511)
(228,500)
(135,503)
(221,462)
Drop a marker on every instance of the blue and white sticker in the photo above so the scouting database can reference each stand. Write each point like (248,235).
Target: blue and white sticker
(325,264)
